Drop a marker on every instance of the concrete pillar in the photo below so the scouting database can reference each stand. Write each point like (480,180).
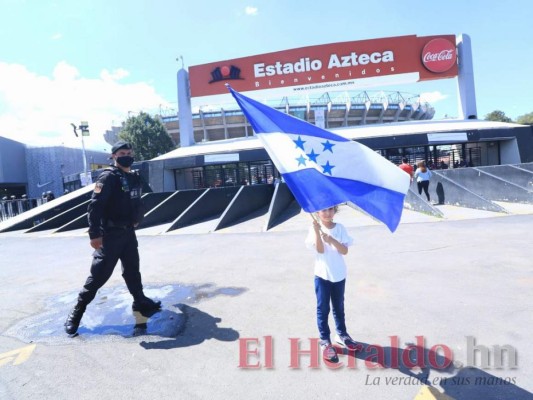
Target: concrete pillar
(184,109)
(465,79)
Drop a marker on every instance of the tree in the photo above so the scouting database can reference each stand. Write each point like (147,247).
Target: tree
(526,119)
(497,115)
(147,135)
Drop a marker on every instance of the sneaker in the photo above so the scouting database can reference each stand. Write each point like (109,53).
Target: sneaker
(328,351)
(346,341)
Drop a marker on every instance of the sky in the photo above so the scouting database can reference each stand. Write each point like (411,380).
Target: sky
(64,61)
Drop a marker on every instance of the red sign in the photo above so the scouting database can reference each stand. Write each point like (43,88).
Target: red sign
(439,55)
(336,66)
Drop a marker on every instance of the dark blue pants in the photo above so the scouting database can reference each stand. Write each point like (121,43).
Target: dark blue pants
(118,244)
(327,292)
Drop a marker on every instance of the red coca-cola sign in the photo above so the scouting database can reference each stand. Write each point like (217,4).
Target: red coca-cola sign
(439,55)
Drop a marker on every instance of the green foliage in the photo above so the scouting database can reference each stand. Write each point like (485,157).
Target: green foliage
(526,119)
(497,115)
(147,135)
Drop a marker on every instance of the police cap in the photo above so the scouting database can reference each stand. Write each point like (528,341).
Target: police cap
(121,144)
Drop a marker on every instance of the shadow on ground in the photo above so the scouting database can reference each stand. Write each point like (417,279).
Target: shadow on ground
(198,326)
(110,317)
(417,363)
(475,384)
(414,361)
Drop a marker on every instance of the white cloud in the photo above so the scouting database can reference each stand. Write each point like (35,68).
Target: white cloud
(249,10)
(57,36)
(38,110)
(117,74)
(432,97)
(64,72)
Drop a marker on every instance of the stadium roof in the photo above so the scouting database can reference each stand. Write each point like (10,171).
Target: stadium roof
(353,132)
(414,127)
(216,146)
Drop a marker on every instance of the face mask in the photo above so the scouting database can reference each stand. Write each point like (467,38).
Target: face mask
(125,161)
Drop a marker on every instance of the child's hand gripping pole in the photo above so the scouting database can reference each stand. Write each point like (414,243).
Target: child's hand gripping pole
(325,237)
(317,222)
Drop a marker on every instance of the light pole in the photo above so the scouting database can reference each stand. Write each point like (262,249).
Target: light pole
(84,128)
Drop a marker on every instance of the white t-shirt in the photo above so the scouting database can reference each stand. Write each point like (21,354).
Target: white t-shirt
(330,265)
(422,176)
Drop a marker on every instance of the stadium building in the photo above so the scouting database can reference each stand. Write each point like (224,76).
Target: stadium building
(34,170)
(217,146)
(330,109)
(221,174)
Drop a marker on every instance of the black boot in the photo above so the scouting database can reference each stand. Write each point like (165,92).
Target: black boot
(142,303)
(73,320)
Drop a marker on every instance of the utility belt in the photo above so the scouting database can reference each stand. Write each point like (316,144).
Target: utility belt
(115,225)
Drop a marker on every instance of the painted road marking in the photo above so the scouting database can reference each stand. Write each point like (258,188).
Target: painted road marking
(430,393)
(18,356)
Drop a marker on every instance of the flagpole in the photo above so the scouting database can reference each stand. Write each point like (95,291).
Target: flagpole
(313,216)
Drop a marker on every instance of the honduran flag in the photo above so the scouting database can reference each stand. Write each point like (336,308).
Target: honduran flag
(323,169)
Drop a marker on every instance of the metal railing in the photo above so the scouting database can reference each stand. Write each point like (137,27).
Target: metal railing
(13,207)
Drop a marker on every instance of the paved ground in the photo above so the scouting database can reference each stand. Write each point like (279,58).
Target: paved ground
(446,284)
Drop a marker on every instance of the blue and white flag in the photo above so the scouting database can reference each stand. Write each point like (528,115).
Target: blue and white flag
(323,169)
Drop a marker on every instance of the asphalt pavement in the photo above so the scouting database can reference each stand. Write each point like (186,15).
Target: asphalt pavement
(433,305)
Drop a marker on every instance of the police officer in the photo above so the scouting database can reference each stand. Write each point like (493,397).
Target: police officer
(114,211)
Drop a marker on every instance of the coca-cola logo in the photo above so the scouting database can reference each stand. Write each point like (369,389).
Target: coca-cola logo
(439,55)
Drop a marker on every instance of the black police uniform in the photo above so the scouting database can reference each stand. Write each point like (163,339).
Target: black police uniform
(115,208)
(114,211)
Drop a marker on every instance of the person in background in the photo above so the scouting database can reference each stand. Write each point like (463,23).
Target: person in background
(422,176)
(405,166)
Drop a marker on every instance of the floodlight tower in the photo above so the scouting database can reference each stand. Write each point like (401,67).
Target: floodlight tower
(84,129)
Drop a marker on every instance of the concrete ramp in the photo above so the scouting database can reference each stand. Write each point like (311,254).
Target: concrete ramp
(462,187)
(151,200)
(77,223)
(512,173)
(246,202)
(62,219)
(48,210)
(282,206)
(498,186)
(170,206)
(455,194)
(79,219)
(414,202)
(208,206)
(526,166)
